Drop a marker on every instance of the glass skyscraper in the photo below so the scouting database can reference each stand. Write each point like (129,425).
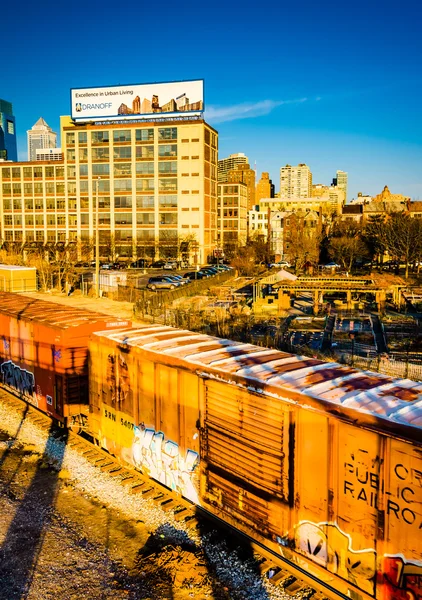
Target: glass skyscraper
(8,148)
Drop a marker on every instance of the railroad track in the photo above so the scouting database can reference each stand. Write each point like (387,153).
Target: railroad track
(275,569)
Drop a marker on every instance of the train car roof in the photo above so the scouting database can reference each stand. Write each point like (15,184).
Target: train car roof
(52,314)
(299,378)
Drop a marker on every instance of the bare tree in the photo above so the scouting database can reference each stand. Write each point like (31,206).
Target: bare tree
(302,241)
(346,244)
(402,237)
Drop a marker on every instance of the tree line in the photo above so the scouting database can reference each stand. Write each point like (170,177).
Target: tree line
(349,243)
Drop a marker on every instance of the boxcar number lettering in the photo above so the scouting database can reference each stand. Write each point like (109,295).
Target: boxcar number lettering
(127,424)
(109,415)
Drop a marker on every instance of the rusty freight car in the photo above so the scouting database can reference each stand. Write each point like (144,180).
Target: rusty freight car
(43,352)
(321,462)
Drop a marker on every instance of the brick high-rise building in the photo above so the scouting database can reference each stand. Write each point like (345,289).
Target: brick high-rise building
(244,174)
(264,188)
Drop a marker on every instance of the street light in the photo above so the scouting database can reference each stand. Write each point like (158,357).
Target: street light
(97,243)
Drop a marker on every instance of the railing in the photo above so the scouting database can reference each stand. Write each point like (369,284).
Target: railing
(147,301)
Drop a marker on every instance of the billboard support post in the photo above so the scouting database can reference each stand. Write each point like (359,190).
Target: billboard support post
(97,242)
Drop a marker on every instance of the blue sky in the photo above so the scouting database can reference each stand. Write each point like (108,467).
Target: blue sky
(334,85)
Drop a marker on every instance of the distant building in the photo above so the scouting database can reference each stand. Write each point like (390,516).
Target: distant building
(329,205)
(361,199)
(232,216)
(243,173)
(264,188)
(258,221)
(319,189)
(352,212)
(387,196)
(8,147)
(49,154)
(227,164)
(40,137)
(340,181)
(415,209)
(295,182)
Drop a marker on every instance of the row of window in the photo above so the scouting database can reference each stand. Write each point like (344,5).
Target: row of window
(167,201)
(120,236)
(121,136)
(33,188)
(103,218)
(123,169)
(32,172)
(122,153)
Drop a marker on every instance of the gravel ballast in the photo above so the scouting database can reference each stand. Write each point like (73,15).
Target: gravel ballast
(69,530)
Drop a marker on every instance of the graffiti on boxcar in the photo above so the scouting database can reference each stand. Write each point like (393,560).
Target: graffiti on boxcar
(6,344)
(327,545)
(162,460)
(20,379)
(117,378)
(402,580)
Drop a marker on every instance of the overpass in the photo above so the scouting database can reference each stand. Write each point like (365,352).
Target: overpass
(319,286)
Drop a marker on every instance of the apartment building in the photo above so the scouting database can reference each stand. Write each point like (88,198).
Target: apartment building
(295,182)
(228,164)
(154,182)
(243,173)
(232,216)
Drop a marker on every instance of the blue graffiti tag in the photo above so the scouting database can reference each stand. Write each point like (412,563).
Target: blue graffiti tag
(20,379)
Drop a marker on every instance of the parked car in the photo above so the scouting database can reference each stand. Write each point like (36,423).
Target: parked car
(281,264)
(82,265)
(141,263)
(106,266)
(170,266)
(331,265)
(192,275)
(119,265)
(209,270)
(179,278)
(162,283)
(158,264)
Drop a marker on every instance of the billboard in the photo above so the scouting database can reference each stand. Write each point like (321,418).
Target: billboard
(138,101)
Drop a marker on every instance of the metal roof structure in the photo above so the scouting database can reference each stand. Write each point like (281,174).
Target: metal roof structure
(51,314)
(295,378)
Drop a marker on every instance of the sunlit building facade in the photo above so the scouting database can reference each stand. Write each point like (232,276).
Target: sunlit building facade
(155,184)
(295,182)
(232,216)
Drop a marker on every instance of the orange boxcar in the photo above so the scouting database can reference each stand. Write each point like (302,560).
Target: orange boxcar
(316,460)
(44,353)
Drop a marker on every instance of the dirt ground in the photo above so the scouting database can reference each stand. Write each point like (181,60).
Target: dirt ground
(56,543)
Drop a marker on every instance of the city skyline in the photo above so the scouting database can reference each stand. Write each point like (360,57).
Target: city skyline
(332,101)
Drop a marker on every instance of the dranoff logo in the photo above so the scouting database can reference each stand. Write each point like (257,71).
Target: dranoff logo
(79,107)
